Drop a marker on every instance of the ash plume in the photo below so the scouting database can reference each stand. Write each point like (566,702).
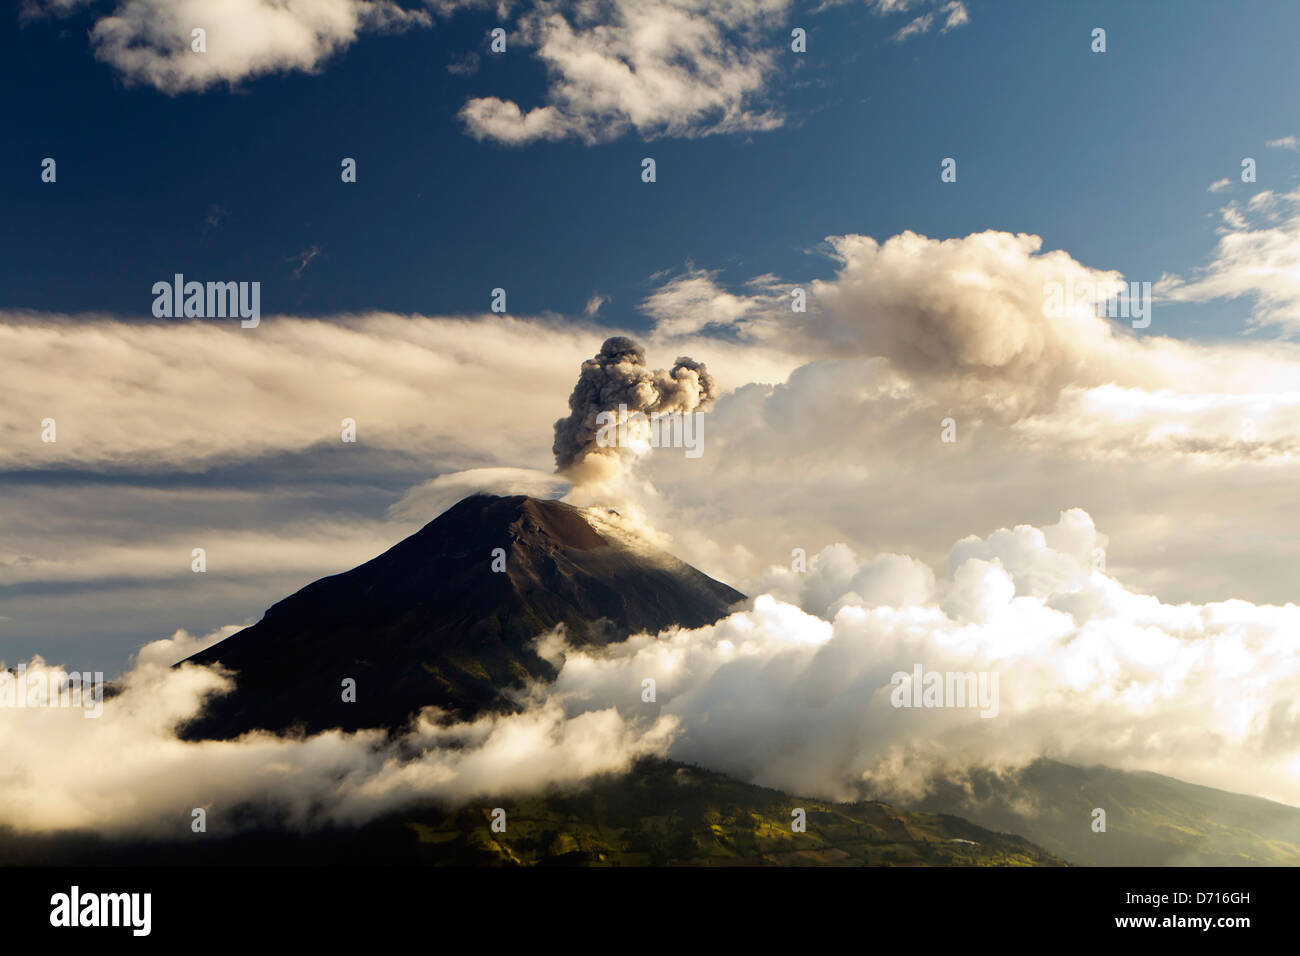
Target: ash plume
(618,381)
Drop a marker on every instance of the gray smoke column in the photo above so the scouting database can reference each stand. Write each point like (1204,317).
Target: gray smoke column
(616,377)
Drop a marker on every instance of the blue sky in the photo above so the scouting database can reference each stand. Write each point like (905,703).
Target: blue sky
(1106,155)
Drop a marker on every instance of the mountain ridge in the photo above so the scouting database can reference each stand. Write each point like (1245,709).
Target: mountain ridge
(1151,819)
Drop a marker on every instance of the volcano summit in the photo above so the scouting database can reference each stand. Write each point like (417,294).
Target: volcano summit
(430,622)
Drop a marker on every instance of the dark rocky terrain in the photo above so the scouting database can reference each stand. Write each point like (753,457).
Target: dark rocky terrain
(430,622)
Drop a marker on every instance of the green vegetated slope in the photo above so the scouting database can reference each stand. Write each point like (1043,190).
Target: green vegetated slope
(1151,820)
(671,814)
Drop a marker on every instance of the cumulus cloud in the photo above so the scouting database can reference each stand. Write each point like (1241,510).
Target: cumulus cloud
(1185,449)
(975,307)
(1089,672)
(653,67)
(656,68)
(990,313)
(149,41)
(972,306)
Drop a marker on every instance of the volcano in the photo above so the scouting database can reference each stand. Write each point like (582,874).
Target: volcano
(445,618)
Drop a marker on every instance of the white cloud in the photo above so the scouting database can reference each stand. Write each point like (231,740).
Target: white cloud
(127,773)
(164,653)
(1185,450)
(1219,185)
(952,13)
(1257,257)
(974,307)
(1285,142)
(693,301)
(679,68)
(435,496)
(956,15)
(66,553)
(1089,672)
(886,7)
(918,26)
(149,41)
(410,384)
(489,117)
(467,392)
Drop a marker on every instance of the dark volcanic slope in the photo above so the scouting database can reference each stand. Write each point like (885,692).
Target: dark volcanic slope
(430,622)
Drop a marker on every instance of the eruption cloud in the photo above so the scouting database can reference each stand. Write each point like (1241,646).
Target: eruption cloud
(618,382)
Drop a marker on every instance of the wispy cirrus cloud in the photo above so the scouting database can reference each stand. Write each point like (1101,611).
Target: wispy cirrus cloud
(1257,257)
(304,259)
(948,16)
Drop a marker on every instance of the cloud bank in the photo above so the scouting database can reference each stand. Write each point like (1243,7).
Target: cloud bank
(939,388)
(799,697)
(126,773)
(794,693)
